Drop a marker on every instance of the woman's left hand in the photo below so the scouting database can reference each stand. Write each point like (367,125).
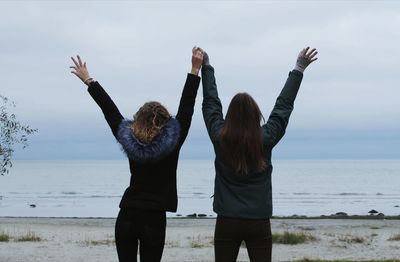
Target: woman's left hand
(81,70)
(305,58)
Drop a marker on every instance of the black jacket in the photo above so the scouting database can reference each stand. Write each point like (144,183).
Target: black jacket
(245,196)
(152,184)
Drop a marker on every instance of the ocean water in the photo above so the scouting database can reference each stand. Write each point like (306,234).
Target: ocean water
(303,187)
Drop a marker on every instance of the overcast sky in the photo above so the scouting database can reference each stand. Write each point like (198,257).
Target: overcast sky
(347,107)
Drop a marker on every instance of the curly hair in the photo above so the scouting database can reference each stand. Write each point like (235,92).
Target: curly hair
(149,120)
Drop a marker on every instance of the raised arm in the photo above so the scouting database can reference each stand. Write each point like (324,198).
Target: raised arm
(211,107)
(189,93)
(100,96)
(278,120)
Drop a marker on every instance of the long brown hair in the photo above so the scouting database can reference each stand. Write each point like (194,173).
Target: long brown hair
(149,120)
(241,137)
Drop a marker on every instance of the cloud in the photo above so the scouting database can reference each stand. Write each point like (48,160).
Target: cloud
(140,51)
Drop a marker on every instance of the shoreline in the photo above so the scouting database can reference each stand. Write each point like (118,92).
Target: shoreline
(296,217)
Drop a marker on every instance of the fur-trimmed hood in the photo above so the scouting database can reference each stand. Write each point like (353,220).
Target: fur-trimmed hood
(158,148)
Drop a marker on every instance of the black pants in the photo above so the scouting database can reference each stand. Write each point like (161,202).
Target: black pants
(230,232)
(145,228)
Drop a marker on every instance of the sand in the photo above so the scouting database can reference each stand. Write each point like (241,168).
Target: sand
(90,240)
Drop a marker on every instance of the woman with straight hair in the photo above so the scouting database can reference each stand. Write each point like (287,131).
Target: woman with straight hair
(151,141)
(242,146)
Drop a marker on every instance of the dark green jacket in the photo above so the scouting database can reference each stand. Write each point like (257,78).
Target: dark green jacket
(245,196)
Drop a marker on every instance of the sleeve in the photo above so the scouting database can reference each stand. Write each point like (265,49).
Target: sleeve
(104,101)
(278,120)
(186,104)
(211,107)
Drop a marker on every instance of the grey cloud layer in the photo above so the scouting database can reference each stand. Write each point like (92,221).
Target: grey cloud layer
(141,51)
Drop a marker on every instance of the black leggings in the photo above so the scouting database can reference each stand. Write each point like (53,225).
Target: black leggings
(134,226)
(230,232)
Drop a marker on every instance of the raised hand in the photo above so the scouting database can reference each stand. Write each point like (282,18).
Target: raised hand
(197,60)
(81,70)
(206,58)
(305,57)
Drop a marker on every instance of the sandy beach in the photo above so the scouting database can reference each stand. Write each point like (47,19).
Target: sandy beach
(71,239)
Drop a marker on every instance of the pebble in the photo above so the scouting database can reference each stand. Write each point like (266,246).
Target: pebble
(373,211)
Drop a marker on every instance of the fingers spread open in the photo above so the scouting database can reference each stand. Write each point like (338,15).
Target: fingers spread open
(312,51)
(312,55)
(304,51)
(80,61)
(76,63)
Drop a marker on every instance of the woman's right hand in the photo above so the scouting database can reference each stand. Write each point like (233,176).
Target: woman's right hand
(197,60)
(81,71)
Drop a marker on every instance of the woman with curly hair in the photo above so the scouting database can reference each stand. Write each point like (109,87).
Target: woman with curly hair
(151,141)
(243,147)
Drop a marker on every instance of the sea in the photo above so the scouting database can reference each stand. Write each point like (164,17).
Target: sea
(93,188)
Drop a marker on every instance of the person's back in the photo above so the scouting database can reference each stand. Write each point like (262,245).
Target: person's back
(234,191)
(151,141)
(242,190)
